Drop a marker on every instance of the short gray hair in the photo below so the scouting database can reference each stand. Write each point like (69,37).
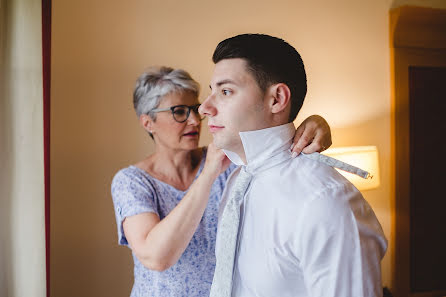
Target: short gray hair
(157,82)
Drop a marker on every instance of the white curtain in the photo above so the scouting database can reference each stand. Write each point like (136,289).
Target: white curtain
(22,201)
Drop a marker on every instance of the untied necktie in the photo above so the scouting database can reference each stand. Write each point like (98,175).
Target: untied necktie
(227,232)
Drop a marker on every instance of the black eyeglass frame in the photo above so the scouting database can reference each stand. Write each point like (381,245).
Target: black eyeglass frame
(172,110)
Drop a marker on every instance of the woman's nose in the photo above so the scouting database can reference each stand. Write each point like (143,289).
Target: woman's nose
(194,117)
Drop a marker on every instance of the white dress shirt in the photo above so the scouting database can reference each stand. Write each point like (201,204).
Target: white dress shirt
(304,230)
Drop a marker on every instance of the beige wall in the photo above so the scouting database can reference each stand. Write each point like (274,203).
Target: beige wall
(22,226)
(100,47)
(423,3)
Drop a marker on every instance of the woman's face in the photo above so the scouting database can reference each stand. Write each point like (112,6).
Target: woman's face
(168,133)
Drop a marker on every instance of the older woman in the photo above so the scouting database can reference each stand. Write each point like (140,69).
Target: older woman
(166,206)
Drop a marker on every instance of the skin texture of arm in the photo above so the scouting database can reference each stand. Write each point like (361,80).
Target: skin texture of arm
(158,244)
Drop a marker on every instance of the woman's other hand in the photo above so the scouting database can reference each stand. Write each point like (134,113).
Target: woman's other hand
(216,161)
(313,135)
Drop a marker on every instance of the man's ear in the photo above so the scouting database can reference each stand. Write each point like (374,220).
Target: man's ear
(280,96)
(146,122)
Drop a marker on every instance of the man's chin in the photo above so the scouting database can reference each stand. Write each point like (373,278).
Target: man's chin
(226,143)
(219,143)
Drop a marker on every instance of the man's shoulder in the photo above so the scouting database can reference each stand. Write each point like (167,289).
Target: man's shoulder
(309,176)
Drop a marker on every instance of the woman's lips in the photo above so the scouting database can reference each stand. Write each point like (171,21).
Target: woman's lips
(191,134)
(214,128)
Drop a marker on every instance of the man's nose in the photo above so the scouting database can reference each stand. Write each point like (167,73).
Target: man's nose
(206,108)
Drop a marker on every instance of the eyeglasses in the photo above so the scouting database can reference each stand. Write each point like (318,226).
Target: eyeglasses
(180,113)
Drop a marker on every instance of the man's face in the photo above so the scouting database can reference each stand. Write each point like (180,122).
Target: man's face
(236,104)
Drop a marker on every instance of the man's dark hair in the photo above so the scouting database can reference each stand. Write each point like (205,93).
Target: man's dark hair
(271,60)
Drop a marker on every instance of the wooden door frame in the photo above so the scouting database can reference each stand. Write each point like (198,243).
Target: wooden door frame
(417,38)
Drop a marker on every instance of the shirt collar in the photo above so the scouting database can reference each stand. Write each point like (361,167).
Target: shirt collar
(262,145)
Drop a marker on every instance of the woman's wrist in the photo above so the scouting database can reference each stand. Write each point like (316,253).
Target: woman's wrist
(209,174)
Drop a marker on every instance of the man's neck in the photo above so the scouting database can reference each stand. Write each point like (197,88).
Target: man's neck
(240,151)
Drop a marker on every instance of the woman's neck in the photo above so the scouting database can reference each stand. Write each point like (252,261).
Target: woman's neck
(174,167)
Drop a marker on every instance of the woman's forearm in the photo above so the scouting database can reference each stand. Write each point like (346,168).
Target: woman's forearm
(167,240)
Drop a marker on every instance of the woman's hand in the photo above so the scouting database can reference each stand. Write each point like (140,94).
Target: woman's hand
(158,244)
(216,161)
(313,135)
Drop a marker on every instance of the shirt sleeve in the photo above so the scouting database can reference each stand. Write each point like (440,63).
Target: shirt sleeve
(131,195)
(341,245)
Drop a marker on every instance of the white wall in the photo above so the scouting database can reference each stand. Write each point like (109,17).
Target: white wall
(22,237)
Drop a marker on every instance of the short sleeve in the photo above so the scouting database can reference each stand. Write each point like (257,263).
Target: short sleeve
(132,194)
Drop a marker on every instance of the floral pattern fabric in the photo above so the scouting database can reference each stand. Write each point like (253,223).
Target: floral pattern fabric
(134,191)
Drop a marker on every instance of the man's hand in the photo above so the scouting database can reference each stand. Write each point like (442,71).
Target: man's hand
(313,135)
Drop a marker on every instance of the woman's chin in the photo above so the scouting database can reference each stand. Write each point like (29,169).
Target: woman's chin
(190,144)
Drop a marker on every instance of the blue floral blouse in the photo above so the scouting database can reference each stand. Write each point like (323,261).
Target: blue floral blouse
(134,191)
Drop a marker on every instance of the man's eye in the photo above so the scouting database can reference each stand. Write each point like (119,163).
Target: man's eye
(226,92)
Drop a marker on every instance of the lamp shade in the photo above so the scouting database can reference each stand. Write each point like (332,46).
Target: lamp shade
(364,157)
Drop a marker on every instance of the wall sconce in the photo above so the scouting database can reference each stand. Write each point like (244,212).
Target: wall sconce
(364,157)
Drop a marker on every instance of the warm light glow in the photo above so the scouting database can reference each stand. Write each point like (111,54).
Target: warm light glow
(364,157)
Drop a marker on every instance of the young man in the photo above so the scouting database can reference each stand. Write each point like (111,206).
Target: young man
(288,226)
